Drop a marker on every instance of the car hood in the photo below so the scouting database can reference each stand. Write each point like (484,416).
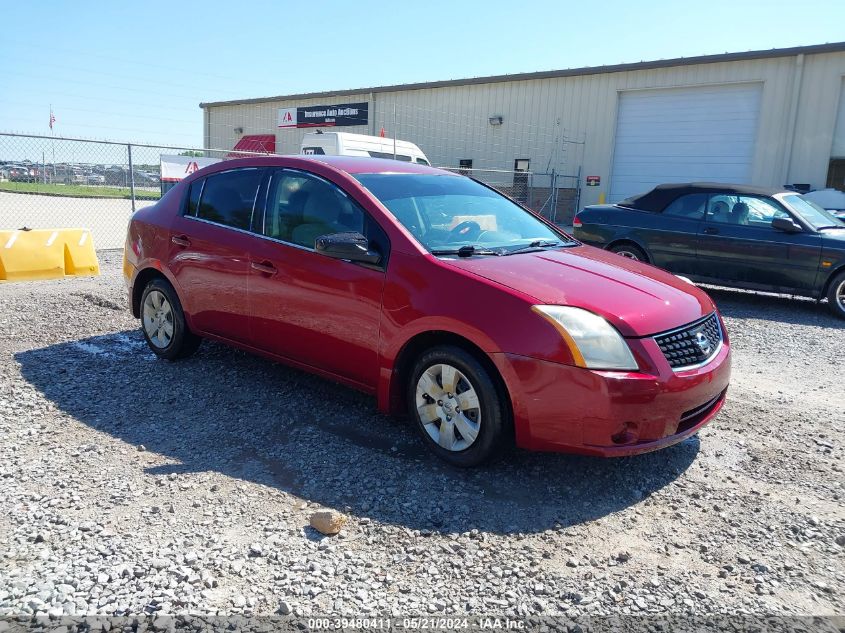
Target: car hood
(637,298)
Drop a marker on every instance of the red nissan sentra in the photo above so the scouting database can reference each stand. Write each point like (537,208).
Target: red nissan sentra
(435,293)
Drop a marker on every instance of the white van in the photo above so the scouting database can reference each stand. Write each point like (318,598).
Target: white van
(347,144)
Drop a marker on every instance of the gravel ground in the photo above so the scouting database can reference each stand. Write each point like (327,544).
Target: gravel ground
(137,486)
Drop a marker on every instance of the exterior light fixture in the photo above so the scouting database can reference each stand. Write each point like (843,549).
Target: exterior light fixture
(496,119)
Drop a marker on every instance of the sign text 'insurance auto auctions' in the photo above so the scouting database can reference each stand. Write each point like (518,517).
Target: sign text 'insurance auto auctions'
(324,116)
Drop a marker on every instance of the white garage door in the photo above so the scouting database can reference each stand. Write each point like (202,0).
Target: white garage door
(684,135)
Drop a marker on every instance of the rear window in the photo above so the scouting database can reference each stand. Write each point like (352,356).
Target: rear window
(389,155)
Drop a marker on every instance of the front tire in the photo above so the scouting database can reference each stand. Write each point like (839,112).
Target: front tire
(163,322)
(460,413)
(836,295)
(630,251)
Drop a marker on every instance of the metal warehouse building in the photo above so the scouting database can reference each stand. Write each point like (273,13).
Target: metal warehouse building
(764,117)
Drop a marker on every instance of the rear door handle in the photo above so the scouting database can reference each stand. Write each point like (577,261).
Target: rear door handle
(711,230)
(180,240)
(265,268)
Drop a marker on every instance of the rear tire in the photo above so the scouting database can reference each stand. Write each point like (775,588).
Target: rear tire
(163,322)
(630,251)
(836,295)
(459,411)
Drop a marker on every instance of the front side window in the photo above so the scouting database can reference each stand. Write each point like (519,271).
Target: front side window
(229,197)
(690,206)
(743,211)
(300,208)
(444,211)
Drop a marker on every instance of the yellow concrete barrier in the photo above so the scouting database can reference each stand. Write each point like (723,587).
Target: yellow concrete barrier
(46,254)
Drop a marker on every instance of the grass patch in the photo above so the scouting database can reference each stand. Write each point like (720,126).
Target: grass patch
(79,191)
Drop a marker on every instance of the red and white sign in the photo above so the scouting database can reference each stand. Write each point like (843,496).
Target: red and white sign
(287,117)
(175,168)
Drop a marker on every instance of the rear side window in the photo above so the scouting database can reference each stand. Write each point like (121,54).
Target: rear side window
(228,198)
(194,197)
(690,206)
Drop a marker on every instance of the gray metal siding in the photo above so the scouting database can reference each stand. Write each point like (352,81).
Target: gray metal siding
(451,122)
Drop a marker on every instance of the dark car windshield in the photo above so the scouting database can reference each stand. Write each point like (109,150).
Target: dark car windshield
(446,212)
(813,214)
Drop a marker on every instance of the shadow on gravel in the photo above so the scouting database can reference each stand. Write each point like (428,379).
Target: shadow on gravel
(251,419)
(780,308)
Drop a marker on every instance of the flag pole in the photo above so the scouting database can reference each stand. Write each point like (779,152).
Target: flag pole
(53,141)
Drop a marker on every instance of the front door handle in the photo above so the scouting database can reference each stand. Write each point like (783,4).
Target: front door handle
(711,230)
(180,240)
(265,268)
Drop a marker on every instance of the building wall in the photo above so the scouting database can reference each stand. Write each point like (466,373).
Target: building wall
(567,123)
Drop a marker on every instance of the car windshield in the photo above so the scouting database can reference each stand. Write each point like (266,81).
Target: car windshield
(446,212)
(810,212)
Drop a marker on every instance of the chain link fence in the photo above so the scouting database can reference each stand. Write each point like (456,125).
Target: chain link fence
(53,182)
(57,182)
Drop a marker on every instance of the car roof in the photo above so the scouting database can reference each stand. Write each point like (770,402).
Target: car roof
(348,164)
(663,195)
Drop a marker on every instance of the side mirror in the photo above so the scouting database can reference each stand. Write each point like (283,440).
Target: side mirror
(352,246)
(787,225)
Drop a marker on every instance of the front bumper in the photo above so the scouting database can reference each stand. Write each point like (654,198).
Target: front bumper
(570,409)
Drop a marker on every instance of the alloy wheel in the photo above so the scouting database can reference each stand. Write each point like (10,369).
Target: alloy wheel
(840,295)
(158,319)
(628,254)
(448,407)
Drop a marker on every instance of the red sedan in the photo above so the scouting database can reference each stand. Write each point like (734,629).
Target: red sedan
(435,293)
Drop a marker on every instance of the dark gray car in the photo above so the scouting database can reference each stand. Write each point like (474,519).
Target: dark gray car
(729,235)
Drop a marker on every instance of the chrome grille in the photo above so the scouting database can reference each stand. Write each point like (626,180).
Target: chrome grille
(693,344)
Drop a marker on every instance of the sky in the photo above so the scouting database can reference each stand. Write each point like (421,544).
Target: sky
(133,71)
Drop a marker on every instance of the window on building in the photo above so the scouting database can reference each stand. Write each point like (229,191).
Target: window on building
(464,165)
(228,198)
(520,179)
(836,174)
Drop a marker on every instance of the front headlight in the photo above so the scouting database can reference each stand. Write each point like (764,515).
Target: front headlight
(594,342)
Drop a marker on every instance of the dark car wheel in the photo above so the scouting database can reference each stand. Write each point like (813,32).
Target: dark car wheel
(836,295)
(163,322)
(631,251)
(458,409)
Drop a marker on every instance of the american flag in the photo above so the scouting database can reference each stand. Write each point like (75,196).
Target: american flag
(52,119)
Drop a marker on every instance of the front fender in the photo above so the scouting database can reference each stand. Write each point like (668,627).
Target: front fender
(388,390)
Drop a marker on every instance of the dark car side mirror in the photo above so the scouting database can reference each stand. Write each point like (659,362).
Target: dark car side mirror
(352,246)
(787,225)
